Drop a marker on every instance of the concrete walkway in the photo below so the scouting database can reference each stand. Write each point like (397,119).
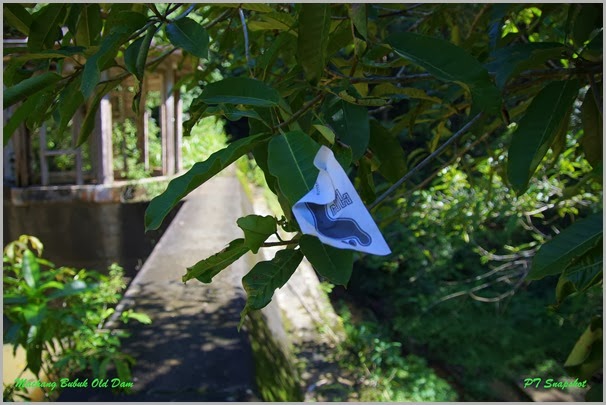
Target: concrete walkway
(192,351)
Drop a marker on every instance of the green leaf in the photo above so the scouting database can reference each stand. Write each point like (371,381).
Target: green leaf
(365,182)
(588,19)
(126,22)
(279,44)
(20,115)
(513,59)
(140,317)
(343,155)
(89,25)
(34,350)
(357,13)
(74,288)
(312,43)
(560,252)
(206,269)
(334,264)
(179,187)
(261,155)
(69,101)
(585,357)
(92,69)
(89,119)
(123,22)
(326,133)
(14,299)
(17,17)
(256,230)
(350,123)
(28,87)
(46,99)
(450,63)
(586,270)
(291,161)
(130,55)
(593,137)
(274,21)
(537,130)
(45,27)
(261,282)
(143,51)
(388,89)
(240,90)
(389,152)
(188,34)
(72,18)
(30,269)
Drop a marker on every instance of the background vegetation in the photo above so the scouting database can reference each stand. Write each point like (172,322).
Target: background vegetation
(496,268)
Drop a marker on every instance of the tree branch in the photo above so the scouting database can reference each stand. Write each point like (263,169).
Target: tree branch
(246,43)
(302,111)
(425,161)
(596,94)
(219,18)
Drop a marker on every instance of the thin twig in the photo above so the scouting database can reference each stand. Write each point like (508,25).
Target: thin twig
(516,256)
(153,8)
(246,44)
(219,18)
(185,13)
(302,111)
(477,19)
(401,12)
(425,161)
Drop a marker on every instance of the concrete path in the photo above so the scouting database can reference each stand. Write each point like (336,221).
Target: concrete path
(192,351)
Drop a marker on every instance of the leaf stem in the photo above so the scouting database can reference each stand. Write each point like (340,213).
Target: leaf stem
(429,158)
(282,243)
(153,8)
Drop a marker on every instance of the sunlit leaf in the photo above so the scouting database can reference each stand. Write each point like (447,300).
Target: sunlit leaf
(206,269)
(265,277)
(291,161)
(201,172)
(256,230)
(560,252)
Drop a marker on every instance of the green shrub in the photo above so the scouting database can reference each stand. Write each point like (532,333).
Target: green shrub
(383,372)
(59,315)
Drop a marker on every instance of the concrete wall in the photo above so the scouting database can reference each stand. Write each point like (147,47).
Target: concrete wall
(85,234)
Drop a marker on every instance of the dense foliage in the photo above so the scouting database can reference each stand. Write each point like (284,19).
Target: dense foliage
(513,90)
(59,316)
